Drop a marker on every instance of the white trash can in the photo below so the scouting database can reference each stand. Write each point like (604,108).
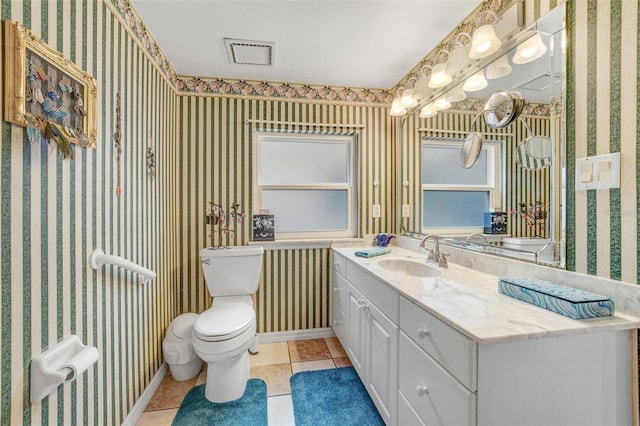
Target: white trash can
(177,348)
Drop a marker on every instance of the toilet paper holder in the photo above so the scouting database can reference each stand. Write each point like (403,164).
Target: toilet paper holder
(62,363)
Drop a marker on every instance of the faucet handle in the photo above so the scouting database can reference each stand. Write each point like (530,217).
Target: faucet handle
(442,261)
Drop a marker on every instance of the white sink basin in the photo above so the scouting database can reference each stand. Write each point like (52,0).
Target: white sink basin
(409,267)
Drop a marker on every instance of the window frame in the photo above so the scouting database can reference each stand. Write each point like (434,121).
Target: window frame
(494,185)
(350,186)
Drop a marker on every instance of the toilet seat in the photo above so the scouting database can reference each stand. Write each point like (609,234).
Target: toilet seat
(224,321)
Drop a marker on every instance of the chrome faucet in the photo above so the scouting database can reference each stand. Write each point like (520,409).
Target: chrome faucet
(435,257)
(480,236)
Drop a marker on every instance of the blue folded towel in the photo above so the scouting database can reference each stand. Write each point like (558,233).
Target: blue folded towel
(372,252)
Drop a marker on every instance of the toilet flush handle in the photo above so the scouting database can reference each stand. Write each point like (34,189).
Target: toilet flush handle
(206,261)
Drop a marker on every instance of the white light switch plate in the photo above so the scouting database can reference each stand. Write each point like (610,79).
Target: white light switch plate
(598,172)
(375,210)
(406,210)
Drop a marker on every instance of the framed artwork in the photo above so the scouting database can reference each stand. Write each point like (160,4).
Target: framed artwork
(263,227)
(44,90)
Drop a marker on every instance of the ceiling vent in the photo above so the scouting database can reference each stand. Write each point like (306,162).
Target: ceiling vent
(250,52)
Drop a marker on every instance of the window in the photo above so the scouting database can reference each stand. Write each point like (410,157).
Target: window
(454,199)
(308,183)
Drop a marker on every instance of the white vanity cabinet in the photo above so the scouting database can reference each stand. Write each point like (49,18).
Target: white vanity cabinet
(371,339)
(460,353)
(339,295)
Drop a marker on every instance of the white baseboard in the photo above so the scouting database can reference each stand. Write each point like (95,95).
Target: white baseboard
(284,336)
(141,403)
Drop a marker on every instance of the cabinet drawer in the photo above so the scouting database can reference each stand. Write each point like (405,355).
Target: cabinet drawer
(454,351)
(339,291)
(379,293)
(433,393)
(406,414)
(339,264)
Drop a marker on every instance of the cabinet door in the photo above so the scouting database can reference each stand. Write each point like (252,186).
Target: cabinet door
(339,324)
(355,329)
(339,303)
(339,291)
(381,364)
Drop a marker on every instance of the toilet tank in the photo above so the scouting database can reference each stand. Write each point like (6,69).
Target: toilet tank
(232,271)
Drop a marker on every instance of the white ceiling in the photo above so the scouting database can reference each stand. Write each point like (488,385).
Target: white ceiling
(369,44)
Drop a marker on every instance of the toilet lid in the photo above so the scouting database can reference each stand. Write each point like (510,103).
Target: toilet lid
(224,321)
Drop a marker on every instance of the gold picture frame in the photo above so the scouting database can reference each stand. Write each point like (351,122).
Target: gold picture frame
(41,82)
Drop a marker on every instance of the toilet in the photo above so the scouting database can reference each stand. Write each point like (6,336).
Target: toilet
(223,334)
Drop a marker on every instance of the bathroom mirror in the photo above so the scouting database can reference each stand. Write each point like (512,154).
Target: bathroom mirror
(522,174)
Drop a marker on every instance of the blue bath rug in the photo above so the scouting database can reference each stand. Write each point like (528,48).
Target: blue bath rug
(250,409)
(334,397)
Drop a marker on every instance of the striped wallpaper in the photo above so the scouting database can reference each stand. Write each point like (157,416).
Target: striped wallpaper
(603,116)
(215,160)
(55,212)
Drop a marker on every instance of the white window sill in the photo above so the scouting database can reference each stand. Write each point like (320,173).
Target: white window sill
(305,244)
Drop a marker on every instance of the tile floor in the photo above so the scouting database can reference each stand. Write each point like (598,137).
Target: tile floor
(274,363)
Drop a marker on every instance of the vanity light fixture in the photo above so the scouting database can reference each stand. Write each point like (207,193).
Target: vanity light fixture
(439,75)
(498,68)
(428,111)
(408,100)
(530,50)
(475,82)
(456,94)
(441,103)
(459,55)
(485,41)
(421,89)
(397,109)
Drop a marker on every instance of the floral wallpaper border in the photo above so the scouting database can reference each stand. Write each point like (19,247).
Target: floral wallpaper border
(468,26)
(138,29)
(231,87)
(308,92)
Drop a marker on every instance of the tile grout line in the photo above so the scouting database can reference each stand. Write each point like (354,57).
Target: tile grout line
(337,353)
(334,351)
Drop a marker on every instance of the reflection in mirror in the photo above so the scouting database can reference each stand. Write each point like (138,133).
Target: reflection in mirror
(523,173)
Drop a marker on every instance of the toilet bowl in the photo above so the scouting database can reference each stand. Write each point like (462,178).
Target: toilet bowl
(223,334)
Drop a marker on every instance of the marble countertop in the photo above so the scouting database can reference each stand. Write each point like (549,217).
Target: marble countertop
(469,301)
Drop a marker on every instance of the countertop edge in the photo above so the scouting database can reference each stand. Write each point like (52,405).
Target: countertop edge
(616,322)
